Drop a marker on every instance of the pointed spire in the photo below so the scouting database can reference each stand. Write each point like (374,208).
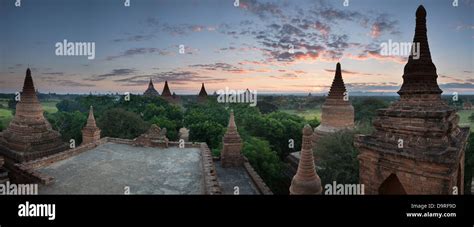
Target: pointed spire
(90,132)
(337,88)
(306,181)
(91,119)
(150,84)
(231,155)
(166,90)
(419,75)
(28,85)
(232,120)
(203,92)
(151,91)
(231,135)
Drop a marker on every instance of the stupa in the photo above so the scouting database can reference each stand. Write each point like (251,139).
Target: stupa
(29,135)
(231,155)
(151,91)
(417,146)
(90,133)
(202,96)
(306,181)
(337,111)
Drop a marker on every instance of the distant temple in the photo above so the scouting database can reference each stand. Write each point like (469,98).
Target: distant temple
(337,114)
(202,96)
(231,155)
(166,94)
(417,146)
(90,133)
(337,111)
(29,135)
(306,181)
(151,91)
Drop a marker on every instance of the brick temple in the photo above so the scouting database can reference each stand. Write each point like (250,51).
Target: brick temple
(151,91)
(90,132)
(202,96)
(337,110)
(306,181)
(29,135)
(167,95)
(231,155)
(417,146)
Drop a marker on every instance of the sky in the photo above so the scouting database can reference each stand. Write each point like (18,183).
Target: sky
(269,46)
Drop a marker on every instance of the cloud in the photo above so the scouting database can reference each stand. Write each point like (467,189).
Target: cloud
(54,80)
(113,73)
(286,76)
(383,24)
(134,38)
(221,67)
(353,72)
(138,51)
(261,9)
(176,76)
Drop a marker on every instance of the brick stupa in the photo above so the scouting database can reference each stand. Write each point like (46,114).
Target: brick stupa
(417,146)
(337,111)
(90,133)
(29,135)
(231,155)
(167,95)
(151,91)
(306,181)
(202,96)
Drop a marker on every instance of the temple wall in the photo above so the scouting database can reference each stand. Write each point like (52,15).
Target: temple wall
(416,177)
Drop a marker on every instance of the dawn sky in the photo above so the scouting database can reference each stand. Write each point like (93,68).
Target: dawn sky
(245,46)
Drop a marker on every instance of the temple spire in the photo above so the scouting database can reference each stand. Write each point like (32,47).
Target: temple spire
(337,88)
(203,92)
(231,155)
(150,84)
(91,120)
(306,181)
(419,77)
(90,132)
(28,86)
(166,90)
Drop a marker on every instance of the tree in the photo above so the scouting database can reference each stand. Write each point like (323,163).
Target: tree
(120,123)
(69,124)
(366,109)
(208,131)
(471,118)
(265,162)
(337,158)
(171,127)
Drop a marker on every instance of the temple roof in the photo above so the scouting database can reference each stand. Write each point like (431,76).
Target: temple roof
(232,135)
(337,88)
(419,75)
(151,91)
(203,92)
(166,90)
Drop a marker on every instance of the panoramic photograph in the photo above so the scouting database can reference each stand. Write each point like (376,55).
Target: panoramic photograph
(281,98)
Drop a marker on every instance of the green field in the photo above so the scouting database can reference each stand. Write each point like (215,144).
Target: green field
(306,114)
(464,118)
